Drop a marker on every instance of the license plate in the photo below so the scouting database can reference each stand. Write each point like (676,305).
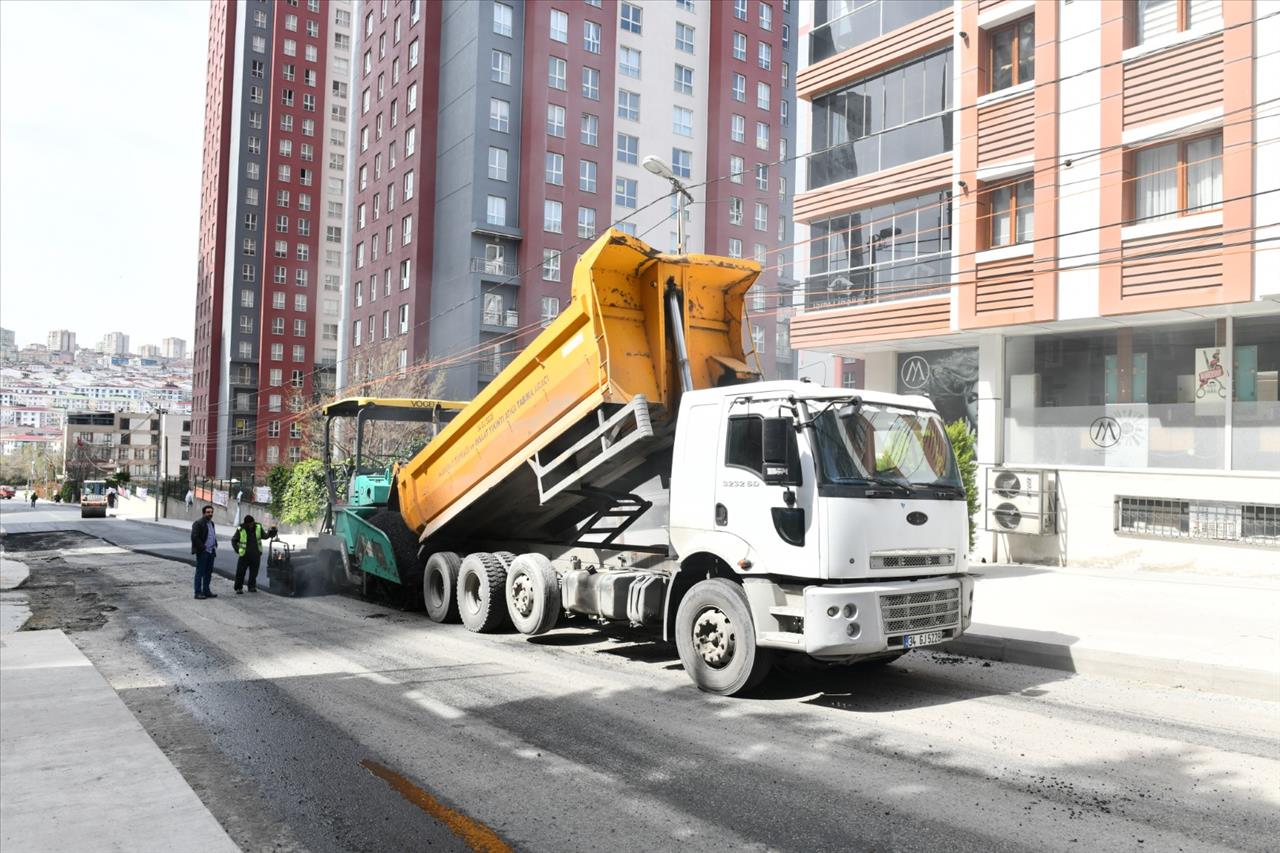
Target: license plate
(911,641)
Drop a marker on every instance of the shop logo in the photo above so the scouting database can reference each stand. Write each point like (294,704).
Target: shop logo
(1105,431)
(915,372)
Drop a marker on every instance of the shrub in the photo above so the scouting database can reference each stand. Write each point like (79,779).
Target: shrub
(305,496)
(278,482)
(68,492)
(966,457)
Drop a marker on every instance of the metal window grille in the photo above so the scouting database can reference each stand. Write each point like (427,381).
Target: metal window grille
(1197,520)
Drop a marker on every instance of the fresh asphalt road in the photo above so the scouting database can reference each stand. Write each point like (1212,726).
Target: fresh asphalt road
(330,723)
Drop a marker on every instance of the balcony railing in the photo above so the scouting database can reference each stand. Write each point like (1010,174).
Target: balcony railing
(867,22)
(509,318)
(887,282)
(491,267)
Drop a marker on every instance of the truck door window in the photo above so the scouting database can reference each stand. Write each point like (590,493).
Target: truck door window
(744,446)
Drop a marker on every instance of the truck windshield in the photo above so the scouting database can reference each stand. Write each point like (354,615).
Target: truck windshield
(94,487)
(875,443)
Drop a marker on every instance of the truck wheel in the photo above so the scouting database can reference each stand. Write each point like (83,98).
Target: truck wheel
(717,639)
(482,581)
(439,580)
(533,594)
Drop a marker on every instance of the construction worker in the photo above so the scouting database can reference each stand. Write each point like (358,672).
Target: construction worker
(247,541)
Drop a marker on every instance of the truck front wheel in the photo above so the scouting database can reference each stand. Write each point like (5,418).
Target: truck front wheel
(481,593)
(717,639)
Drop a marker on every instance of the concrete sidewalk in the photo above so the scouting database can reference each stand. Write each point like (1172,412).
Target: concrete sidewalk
(77,770)
(1218,634)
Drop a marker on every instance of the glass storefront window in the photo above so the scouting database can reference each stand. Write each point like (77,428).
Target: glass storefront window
(1144,397)
(1255,412)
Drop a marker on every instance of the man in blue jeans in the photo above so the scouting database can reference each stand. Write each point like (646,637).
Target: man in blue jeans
(204,544)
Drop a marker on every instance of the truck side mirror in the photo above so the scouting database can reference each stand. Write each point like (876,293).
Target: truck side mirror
(778,445)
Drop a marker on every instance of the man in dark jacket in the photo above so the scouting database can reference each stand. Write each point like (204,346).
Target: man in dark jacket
(204,544)
(247,541)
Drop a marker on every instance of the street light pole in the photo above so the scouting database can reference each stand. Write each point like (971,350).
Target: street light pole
(156,447)
(659,167)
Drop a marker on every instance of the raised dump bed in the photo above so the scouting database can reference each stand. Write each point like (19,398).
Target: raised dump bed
(582,416)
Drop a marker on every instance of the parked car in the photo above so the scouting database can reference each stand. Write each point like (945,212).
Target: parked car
(7,492)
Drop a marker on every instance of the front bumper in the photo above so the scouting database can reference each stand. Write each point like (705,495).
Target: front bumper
(852,620)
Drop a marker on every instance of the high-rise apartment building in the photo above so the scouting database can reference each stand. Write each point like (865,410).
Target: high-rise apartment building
(113,343)
(1052,218)
(494,140)
(62,340)
(175,348)
(269,274)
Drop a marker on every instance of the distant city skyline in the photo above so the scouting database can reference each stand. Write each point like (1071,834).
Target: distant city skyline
(25,338)
(100,203)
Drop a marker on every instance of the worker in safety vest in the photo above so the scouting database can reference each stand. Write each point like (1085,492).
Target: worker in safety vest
(247,541)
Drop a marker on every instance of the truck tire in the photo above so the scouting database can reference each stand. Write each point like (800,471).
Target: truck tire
(717,639)
(533,594)
(482,582)
(439,584)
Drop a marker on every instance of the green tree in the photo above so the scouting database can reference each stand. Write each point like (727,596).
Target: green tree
(305,497)
(962,440)
(68,492)
(278,481)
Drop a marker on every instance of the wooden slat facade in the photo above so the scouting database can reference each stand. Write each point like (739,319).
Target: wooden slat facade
(892,48)
(911,179)
(1003,286)
(1180,80)
(1006,129)
(1174,265)
(889,321)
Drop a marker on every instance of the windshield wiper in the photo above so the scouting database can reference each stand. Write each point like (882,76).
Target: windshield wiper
(889,481)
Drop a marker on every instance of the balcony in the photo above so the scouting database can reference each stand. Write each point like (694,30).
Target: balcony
(508,319)
(869,21)
(887,282)
(492,267)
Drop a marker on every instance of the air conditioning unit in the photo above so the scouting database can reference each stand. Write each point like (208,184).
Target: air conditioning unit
(1022,500)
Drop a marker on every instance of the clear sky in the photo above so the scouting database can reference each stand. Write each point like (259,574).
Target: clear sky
(101,128)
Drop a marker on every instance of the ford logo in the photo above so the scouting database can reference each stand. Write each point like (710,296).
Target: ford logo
(916,518)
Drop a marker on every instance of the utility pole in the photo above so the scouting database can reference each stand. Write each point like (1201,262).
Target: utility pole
(156,447)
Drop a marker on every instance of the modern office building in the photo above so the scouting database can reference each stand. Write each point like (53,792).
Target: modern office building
(493,141)
(269,273)
(1054,219)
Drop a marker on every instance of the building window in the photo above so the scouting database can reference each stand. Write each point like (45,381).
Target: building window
(762,216)
(497,163)
(631,18)
(764,54)
(499,117)
(496,210)
(1155,18)
(586,222)
(628,149)
(590,83)
(736,168)
(684,80)
(682,162)
(1013,54)
(762,95)
(629,62)
(735,210)
(550,265)
(555,120)
(590,36)
(1012,212)
(762,176)
(740,47)
(840,26)
(552,216)
(762,135)
(684,38)
(738,128)
(503,16)
(735,247)
(587,176)
(590,133)
(1177,177)
(739,90)
(766,16)
(740,9)
(624,192)
(500,67)
(557,71)
(559,26)
(555,169)
(408,183)
(681,121)
(628,105)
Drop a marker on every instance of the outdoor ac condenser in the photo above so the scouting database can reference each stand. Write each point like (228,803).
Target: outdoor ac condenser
(1022,500)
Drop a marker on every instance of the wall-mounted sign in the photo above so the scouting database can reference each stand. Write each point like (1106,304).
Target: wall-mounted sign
(1211,380)
(948,377)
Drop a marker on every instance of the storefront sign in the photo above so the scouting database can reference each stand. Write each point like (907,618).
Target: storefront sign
(1122,435)
(1211,381)
(948,377)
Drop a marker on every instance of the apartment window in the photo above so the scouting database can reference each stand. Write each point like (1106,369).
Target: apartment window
(410,143)
(786,75)
(503,16)
(552,216)
(499,116)
(300,302)
(1177,177)
(629,62)
(403,319)
(735,247)
(497,163)
(738,128)
(764,54)
(681,121)
(408,184)
(555,169)
(624,192)
(735,210)
(740,9)
(736,168)
(762,176)
(496,210)
(684,80)
(762,135)
(550,265)
(840,26)
(740,47)
(762,216)
(628,149)
(628,105)
(685,5)
(1013,54)
(557,70)
(631,18)
(1155,18)
(682,163)
(784,113)
(590,134)
(762,95)
(246,299)
(555,120)
(559,26)
(1012,212)
(739,91)
(411,98)
(277,352)
(499,67)
(591,36)
(684,37)
(587,176)
(406,266)
(586,222)
(413,55)
(277,325)
(590,83)
(766,16)
(246,350)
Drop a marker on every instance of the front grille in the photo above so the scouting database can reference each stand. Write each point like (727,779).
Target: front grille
(907,612)
(913,559)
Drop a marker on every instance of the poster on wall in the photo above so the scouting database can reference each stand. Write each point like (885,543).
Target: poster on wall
(948,377)
(1211,381)
(220,497)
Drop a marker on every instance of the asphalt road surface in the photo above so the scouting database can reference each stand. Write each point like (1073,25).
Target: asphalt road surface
(331,723)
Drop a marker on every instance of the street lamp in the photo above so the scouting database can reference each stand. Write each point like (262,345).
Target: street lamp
(662,170)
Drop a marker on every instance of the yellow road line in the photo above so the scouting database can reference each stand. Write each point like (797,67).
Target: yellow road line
(473,833)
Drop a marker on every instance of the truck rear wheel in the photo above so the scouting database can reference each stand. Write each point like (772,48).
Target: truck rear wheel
(439,581)
(533,594)
(717,639)
(482,581)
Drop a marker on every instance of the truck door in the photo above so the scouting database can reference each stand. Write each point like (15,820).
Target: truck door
(745,504)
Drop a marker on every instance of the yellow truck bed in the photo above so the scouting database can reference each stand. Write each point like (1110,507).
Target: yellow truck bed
(609,347)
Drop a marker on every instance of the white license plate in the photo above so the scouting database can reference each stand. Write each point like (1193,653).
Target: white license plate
(911,641)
